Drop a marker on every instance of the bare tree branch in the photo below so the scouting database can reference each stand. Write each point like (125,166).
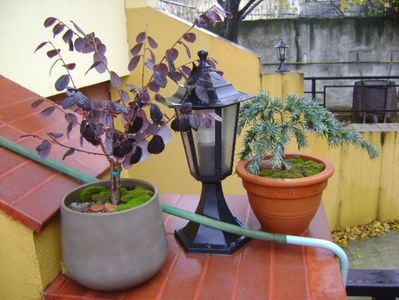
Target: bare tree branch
(245,13)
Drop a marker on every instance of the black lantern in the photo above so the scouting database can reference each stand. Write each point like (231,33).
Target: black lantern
(281,49)
(210,152)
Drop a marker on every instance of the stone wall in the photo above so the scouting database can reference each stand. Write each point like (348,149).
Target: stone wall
(328,47)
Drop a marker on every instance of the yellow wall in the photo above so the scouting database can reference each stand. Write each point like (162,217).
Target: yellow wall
(169,171)
(28,262)
(21,30)
(280,85)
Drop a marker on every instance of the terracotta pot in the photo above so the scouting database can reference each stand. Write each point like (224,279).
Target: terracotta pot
(113,251)
(285,205)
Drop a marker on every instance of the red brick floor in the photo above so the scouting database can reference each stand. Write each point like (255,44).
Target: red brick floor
(30,192)
(259,270)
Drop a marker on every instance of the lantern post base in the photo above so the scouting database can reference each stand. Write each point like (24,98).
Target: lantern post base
(199,238)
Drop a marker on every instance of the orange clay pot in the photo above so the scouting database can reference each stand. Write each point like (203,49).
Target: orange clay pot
(285,205)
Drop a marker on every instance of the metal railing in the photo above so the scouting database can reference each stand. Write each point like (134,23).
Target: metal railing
(318,88)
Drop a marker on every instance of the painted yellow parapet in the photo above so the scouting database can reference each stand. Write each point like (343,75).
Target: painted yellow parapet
(28,261)
(279,85)
(364,190)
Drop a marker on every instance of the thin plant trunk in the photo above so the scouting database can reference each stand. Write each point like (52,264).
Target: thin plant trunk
(115,182)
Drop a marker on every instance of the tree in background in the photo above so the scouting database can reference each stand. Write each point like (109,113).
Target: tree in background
(229,29)
(389,8)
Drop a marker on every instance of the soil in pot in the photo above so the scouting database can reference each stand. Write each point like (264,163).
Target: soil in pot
(298,168)
(97,199)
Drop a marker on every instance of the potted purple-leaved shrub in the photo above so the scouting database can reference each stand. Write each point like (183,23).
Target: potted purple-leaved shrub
(112,230)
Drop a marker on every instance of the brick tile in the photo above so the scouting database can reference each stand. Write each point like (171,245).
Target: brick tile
(43,203)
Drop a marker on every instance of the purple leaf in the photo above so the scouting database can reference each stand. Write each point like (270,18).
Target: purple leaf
(133,63)
(44,149)
(108,120)
(101,49)
(195,121)
(79,99)
(162,69)
(70,45)
(41,45)
(156,145)
(62,82)
(202,93)
(49,21)
(187,49)
(124,96)
(172,54)
(69,128)
(160,79)
(155,113)
(71,118)
(165,134)
(153,86)
(94,65)
(136,49)
(136,156)
(144,153)
(150,63)
(116,81)
(47,111)
(70,66)
(55,135)
(37,102)
(67,36)
(69,102)
(69,152)
(189,37)
(141,37)
(102,67)
(108,142)
(84,45)
(206,120)
(79,44)
(175,76)
(136,125)
(215,116)
(53,52)
(57,29)
(186,70)
(126,161)
(77,28)
(159,98)
(141,113)
(186,108)
(153,44)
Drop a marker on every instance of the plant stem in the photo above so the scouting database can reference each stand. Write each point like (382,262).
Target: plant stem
(64,64)
(116,169)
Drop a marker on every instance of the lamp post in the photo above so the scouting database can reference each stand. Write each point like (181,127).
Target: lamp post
(281,49)
(210,153)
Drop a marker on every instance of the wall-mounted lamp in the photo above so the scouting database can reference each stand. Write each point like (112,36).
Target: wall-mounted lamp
(281,49)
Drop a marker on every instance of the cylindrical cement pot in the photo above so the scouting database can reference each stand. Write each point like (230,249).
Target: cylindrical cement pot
(285,205)
(113,251)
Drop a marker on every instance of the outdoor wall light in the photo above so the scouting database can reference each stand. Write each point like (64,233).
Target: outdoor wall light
(210,153)
(281,49)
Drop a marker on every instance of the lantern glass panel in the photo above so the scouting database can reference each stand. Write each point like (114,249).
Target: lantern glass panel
(189,154)
(229,115)
(204,142)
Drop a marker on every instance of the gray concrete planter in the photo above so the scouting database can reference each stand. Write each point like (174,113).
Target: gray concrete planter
(114,251)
